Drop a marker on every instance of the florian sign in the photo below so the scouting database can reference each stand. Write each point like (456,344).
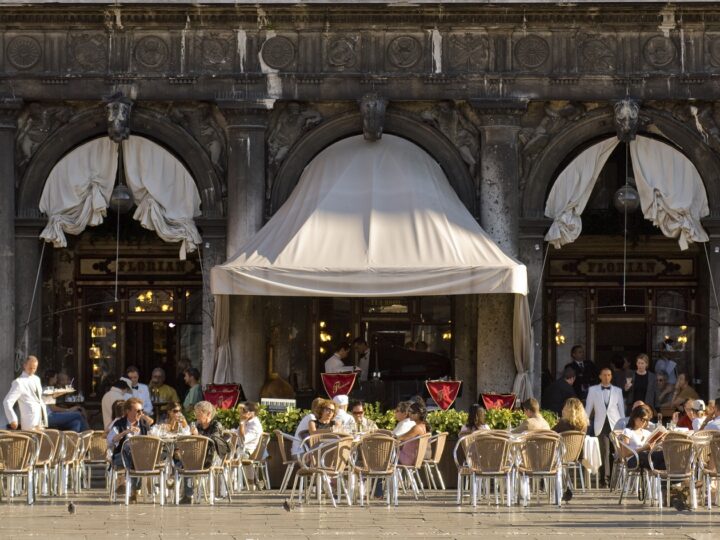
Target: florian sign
(137,267)
(612,267)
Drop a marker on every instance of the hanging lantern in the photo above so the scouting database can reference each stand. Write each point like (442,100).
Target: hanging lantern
(121,200)
(626,199)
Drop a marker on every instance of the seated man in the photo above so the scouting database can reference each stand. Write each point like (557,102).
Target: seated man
(358,423)
(119,391)
(535,421)
(663,398)
(555,395)
(195,394)
(341,415)
(623,422)
(70,419)
(714,423)
(165,393)
(251,428)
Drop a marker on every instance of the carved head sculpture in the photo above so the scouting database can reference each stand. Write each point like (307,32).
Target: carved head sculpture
(627,113)
(372,108)
(118,116)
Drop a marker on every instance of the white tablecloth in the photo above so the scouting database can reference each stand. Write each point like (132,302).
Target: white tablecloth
(591,454)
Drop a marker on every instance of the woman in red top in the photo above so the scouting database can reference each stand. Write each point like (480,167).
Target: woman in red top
(685,419)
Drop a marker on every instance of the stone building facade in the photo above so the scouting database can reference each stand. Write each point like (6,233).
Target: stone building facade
(503,95)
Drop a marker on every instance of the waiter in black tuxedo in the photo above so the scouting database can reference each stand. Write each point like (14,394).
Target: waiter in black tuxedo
(586,372)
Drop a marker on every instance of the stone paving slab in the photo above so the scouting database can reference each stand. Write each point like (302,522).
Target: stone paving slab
(595,514)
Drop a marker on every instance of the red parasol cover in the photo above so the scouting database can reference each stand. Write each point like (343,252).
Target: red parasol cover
(444,393)
(498,401)
(338,383)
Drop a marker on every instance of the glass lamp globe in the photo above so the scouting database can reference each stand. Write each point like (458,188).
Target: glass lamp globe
(626,199)
(121,199)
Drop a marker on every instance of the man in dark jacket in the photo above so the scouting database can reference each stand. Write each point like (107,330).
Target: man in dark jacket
(586,372)
(557,393)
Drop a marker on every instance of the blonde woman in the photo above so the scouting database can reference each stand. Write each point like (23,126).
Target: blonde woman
(573,417)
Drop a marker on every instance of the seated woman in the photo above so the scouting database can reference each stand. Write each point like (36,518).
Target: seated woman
(71,419)
(408,452)
(402,417)
(302,429)
(636,437)
(324,417)
(685,419)
(476,420)
(208,426)
(175,422)
(573,417)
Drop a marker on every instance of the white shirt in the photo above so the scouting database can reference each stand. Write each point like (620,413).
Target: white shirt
(143,392)
(253,431)
(365,426)
(334,364)
(696,423)
(713,425)
(636,437)
(303,426)
(26,390)
(403,426)
(110,397)
(342,416)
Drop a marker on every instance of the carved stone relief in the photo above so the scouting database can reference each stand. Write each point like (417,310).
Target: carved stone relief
(199,121)
(453,123)
(342,52)
(372,108)
(403,52)
(35,124)
(627,114)
(118,117)
(278,52)
(151,52)
(701,117)
(531,51)
(215,51)
(287,126)
(659,51)
(597,54)
(468,52)
(533,140)
(88,51)
(23,52)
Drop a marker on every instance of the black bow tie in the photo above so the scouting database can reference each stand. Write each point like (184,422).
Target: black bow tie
(605,387)
(136,388)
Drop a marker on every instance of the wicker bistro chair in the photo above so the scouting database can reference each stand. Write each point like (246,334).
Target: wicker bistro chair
(629,477)
(375,457)
(430,465)
(487,455)
(44,461)
(18,453)
(412,471)
(221,467)
(680,457)
(711,471)
(147,462)
(573,442)
(540,456)
(69,461)
(258,462)
(96,456)
(329,460)
(190,451)
(288,462)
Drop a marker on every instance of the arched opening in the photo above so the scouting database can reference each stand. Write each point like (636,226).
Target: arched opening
(622,287)
(116,293)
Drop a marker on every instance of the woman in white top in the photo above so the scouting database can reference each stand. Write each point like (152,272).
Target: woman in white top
(302,429)
(636,436)
(404,422)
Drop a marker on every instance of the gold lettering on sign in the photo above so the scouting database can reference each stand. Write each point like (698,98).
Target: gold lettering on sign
(598,267)
(138,266)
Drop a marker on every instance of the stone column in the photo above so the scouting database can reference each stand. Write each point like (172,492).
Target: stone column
(246,124)
(499,217)
(707,297)
(8,125)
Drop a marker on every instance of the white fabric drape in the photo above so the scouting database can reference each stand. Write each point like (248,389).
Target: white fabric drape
(166,196)
(78,190)
(221,328)
(571,192)
(522,348)
(672,194)
(371,219)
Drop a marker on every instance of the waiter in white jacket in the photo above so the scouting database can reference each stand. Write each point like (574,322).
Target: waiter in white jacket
(26,390)
(605,401)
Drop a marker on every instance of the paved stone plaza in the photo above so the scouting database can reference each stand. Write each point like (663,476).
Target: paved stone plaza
(262,516)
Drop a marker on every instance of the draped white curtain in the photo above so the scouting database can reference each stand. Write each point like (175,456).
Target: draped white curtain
(522,348)
(571,192)
(78,189)
(672,194)
(166,195)
(221,327)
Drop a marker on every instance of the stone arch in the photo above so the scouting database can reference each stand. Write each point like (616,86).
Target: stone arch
(396,123)
(599,123)
(91,124)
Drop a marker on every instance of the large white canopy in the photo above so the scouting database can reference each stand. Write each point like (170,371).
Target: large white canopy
(371,219)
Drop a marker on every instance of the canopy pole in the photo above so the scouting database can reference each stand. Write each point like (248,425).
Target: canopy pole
(712,279)
(540,280)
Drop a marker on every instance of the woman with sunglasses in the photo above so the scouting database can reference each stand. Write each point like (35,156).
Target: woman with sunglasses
(639,438)
(175,422)
(134,422)
(324,417)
